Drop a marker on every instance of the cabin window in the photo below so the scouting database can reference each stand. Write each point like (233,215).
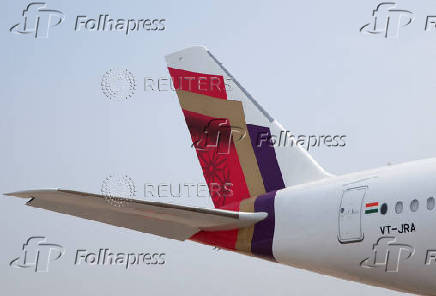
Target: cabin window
(414,205)
(430,203)
(384,209)
(399,207)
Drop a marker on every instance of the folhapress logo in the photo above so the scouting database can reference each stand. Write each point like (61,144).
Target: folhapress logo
(388,254)
(38,254)
(387,20)
(108,23)
(37,20)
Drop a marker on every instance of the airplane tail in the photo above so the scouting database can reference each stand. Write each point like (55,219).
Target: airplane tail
(242,150)
(243,157)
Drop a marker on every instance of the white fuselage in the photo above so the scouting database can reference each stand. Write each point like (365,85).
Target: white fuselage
(323,227)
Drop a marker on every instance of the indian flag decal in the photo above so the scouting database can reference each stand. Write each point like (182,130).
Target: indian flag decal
(371,208)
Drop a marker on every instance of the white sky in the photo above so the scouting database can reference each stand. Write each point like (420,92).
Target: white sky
(306,62)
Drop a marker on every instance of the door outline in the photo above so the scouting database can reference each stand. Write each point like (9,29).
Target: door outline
(362,235)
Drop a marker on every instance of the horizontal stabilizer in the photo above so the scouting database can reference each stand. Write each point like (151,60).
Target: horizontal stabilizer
(163,219)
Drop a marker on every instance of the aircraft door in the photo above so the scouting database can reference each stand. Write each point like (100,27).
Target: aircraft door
(350,215)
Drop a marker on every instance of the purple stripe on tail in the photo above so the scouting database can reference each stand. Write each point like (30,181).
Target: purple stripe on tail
(263,234)
(266,157)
